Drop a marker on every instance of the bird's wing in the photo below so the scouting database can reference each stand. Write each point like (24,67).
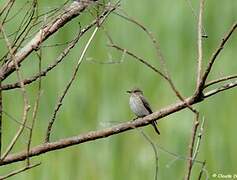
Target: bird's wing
(146,104)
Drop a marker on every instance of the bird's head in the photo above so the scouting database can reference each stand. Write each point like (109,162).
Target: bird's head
(135,90)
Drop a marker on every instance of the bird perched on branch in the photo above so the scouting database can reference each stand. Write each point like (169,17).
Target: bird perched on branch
(140,106)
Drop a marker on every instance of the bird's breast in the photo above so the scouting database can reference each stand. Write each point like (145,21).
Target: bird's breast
(137,106)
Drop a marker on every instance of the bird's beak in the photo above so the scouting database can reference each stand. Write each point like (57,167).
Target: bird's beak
(129,92)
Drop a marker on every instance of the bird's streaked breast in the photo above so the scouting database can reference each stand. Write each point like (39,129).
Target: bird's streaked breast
(137,106)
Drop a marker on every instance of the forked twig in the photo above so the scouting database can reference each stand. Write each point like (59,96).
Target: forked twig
(214,57)
(60,58)
(199,74)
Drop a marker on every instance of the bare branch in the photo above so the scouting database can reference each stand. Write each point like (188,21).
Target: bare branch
(199,138)
(155,152)
(220,80)
(60,58)
(59,104)
(214,56)
(139,59)
(191,146)
(159,54)
(5,6)
(25,98)
(68,14)
(93,135)
(220,89)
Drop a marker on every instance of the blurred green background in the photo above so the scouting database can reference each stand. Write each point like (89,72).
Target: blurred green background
(97,98)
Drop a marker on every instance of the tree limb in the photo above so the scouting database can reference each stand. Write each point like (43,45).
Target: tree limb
(49,29)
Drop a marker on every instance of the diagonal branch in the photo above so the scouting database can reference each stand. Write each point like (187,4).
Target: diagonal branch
(59,59)
(220,89)
(60,101)
(214,56)
(67,15)
(104,133)
(226,78)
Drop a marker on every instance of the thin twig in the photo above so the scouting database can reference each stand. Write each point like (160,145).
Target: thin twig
(154,41)
(220,80)
(159,54)
(61,98)
(35,110)
(19,171)
(5,6)
(8,9)
(14,119)
(191,146)
(202,170)
(139,59)
(59,103)
(1,105)
(63,18)
(199,42)
(155,152)
(199,138)
(59,59)
(154,69)
(199,74)
(25,98)
(204,35)
(214,56)
(103,133)
(220,89)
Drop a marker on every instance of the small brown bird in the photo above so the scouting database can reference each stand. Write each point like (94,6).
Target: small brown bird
(140,106)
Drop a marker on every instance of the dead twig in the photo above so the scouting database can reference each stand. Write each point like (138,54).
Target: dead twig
(149,140)
(49,29)
(35,110)
(25,98)
(59,59)
(214,57)
(191,146)
(19,171)
(220,80)
(103,133)
(220,89)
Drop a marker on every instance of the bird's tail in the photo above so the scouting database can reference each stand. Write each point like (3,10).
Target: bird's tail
(155,127)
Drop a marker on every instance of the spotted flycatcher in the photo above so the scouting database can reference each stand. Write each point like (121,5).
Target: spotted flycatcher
(140,106)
